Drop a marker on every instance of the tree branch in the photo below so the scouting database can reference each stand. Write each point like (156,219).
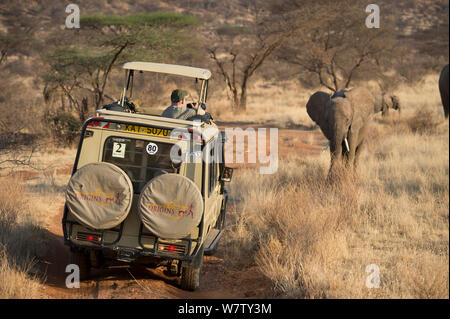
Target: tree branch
(222,69)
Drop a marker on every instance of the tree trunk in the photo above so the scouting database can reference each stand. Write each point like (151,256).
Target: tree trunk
(242,105)
(236,102)
(239,102)
(243,102)
(83,111)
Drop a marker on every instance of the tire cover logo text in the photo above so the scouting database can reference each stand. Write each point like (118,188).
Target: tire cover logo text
(99,197)
(173,209)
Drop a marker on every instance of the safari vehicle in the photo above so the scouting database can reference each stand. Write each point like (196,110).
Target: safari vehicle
(145,188)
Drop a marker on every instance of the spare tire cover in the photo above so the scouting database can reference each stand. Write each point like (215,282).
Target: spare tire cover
(170,206)
(99,195)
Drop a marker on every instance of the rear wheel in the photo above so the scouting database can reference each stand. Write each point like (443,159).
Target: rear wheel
(82,260)
(190,276)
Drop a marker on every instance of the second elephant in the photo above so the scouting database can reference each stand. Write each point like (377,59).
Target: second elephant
(344,120)
(443,89)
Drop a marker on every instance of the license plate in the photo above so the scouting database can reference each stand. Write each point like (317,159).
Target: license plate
(154,131)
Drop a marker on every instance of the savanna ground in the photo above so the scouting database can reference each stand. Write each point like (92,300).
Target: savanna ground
(289,235)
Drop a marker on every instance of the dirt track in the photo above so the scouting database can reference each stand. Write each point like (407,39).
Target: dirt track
(137,281)
(217,281)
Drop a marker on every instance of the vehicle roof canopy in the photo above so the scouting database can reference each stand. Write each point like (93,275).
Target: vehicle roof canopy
(169,69)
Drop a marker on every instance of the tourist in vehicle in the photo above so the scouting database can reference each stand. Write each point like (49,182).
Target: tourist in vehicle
(179,109)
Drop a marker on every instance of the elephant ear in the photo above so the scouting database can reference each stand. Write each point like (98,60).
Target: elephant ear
(316,105)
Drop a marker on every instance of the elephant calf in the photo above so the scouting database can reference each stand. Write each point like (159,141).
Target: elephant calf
(344,119)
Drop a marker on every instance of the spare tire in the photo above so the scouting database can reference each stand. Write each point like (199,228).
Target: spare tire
(170,206)
(99,195)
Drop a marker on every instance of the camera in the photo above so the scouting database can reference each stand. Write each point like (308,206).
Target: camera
(192,105)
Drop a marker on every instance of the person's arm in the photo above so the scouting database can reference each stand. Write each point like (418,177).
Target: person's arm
(187,114)
(200,111)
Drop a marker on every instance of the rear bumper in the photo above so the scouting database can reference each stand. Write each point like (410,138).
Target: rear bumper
(146,244)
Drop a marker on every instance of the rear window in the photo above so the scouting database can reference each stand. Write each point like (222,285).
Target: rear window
(141,160)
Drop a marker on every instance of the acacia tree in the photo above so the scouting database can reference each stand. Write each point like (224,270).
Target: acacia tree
(106,41)
(333,42)
(18,27)
(9,43)
(240,50)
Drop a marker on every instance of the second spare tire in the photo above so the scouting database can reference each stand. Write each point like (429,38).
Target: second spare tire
(170,206)
(99,195)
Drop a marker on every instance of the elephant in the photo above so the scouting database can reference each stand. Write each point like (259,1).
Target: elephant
(384,112)
(344,119)
(443,88)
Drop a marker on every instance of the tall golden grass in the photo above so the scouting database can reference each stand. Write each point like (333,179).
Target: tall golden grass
(314,238)
(21,242)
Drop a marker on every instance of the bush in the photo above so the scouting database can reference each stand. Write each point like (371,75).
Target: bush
(144,19)
(423,122)
(65,127)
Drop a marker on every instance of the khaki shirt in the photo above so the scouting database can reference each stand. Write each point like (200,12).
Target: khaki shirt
(181,113)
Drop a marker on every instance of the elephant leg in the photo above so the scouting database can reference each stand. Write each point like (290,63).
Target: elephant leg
(359,150)
(336,154)
(445,104)
(345,152)
(444,99)
(352,141)
(360,143)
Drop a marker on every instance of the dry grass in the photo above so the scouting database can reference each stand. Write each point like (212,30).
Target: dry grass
(27,203)
(275,105)
(314,239)
(17,280)
(21,242)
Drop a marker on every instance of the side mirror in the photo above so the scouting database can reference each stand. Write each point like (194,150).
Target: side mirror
(227,174)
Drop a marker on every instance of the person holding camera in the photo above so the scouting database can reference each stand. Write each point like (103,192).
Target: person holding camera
(179,109)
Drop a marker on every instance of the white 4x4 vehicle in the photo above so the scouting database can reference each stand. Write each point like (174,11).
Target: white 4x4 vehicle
(131,200)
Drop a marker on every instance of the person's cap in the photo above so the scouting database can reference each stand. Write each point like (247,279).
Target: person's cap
(178,95)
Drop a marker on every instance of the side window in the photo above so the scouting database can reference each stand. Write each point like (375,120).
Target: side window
(212,169)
